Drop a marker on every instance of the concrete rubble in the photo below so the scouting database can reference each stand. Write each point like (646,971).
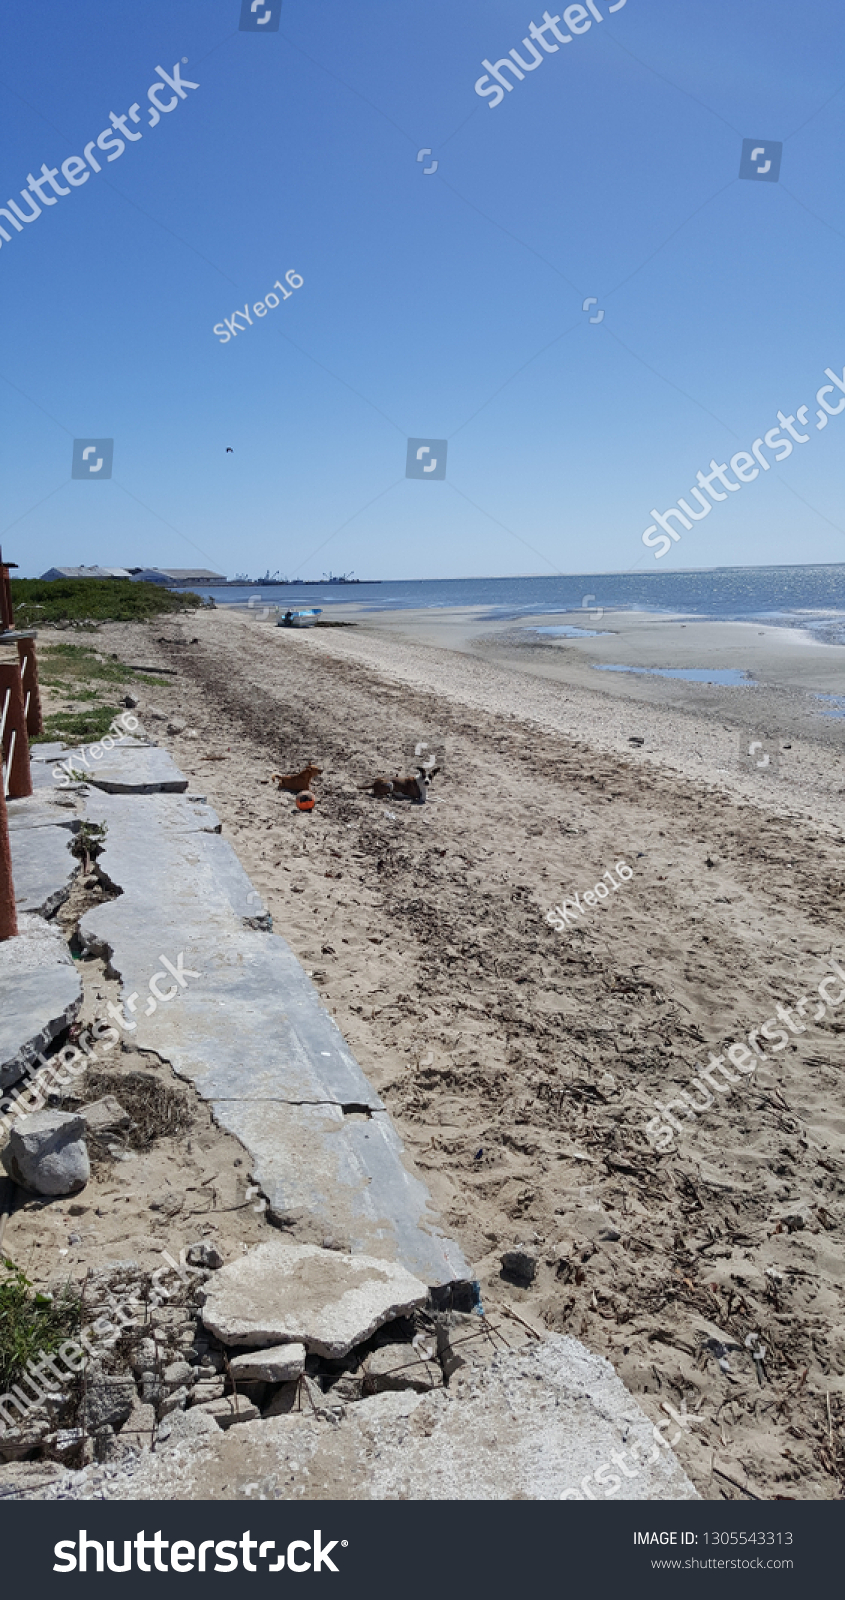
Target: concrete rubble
(323,1299)
(534,1424)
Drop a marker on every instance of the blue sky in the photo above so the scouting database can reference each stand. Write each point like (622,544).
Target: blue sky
(443,305)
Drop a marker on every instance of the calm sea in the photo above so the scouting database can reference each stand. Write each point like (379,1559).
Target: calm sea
(792,597)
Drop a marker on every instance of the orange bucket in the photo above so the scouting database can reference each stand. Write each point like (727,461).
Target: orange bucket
(305,801)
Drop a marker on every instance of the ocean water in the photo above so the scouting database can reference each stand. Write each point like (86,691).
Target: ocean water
(728,677)
(811,597)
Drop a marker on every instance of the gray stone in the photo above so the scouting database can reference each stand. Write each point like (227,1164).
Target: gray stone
(520,1263)
(205,1255)
(397,1366)
(175,1401)
(229,1411)
(46,1153)
(176,725)
(278,1365)
(108,1402)
(178,1373)
(252,1035)
(40,994)
(208,1389)
(101,1116)
(281,1292)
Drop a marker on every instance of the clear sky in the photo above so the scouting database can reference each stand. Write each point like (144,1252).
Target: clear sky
(439,305)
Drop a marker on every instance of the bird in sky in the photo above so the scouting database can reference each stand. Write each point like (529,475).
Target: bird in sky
(229,450)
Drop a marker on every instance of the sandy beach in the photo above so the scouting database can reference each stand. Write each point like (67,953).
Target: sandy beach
(522,1064)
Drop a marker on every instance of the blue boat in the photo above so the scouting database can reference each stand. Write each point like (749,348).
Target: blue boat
(300,619)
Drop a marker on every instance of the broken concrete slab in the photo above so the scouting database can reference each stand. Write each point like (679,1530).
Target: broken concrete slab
(538,1423)
(40,994)
(280,1364)
(298,1293)
(342,1167)
(40,831)
(131,767)
(46,1153)
(250,1032)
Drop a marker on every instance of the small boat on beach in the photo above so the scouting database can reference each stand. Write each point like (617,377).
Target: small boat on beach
(300,619)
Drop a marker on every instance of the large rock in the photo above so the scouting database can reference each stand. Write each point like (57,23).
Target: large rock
(47,1154)
(297,1293)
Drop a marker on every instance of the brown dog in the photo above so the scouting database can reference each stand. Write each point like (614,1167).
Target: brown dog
(296,782)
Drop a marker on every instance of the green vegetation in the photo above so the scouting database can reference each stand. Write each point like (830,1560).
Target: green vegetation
(87,601)
(31,1324)
(81,673)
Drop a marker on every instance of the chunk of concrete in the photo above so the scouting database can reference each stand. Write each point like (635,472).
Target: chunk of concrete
(40,994)
(298,1293)
(101,1116)
(130,768)
(109,1401)
(397,1366)
(229,1411)
(279,1364)
(46,1153)
(43,868)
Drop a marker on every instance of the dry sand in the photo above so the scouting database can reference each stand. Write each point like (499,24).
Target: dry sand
(521,1064)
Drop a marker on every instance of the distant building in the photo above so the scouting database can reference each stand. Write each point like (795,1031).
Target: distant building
(84,572)
(177,575)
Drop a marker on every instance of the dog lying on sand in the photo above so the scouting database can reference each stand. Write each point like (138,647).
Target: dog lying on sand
(296,782)
(408,788)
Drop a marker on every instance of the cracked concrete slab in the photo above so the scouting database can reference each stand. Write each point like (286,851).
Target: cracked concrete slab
(132,766)
(40,994)
(43,868)
(249,1030)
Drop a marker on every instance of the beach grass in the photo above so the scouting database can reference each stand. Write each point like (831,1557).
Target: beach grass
(85,602)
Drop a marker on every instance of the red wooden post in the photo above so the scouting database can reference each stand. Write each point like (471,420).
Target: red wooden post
(29,683)
(15,741)
(7,615)
(8,914)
